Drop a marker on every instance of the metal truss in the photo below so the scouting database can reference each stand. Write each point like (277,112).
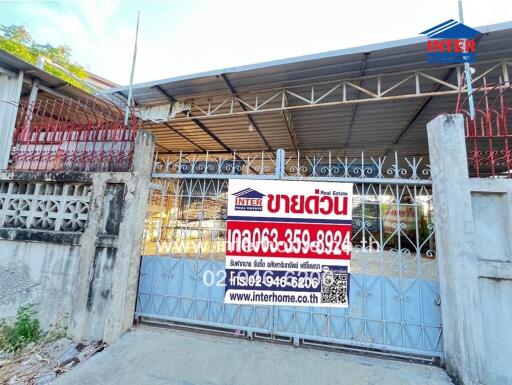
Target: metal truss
(362,89)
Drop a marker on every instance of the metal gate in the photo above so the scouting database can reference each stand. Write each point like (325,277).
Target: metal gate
(394,290)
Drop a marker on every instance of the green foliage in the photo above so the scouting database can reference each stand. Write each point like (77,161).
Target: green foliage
(17,33)
(17,41)
(25,330)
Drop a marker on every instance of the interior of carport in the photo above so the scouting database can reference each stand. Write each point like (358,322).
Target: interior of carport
(375,98)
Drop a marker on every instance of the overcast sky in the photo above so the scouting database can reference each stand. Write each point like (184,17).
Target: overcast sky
(183,37)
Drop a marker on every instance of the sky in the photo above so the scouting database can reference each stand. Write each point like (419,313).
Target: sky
(179,37)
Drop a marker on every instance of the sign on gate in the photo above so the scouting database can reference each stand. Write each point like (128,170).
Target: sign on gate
(288,243)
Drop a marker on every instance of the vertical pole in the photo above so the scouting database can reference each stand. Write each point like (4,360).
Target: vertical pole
(130,91)
(31,103)
(280,163)
(467,71)
(505,74)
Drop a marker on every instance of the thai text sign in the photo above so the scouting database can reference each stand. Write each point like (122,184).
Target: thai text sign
(288,243)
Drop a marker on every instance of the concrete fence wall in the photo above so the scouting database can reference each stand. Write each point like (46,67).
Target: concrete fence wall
(474,245)
(70,244)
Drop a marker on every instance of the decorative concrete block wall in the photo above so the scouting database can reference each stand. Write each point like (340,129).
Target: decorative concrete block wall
(70,244)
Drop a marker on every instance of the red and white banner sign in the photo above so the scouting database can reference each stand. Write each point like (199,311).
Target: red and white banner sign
(288,242)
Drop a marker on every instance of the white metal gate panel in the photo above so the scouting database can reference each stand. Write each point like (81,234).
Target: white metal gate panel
(394,290)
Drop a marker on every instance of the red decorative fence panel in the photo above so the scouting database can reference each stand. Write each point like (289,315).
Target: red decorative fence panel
(72,135)
(489,133)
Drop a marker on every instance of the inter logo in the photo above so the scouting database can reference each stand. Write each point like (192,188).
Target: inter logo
(451,42)
(248,200)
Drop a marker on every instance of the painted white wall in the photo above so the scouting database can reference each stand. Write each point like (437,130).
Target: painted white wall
(42,274)
(473,219)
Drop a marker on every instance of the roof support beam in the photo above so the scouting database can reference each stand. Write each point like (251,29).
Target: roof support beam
(165,148)
(53,92)
(355,105)
(249,117)
(216,138)
(172,100)
(290,126)
(418,111)
(164,93)
(288,121)
(124,98)
(211,134)
(183,136)
(197,122)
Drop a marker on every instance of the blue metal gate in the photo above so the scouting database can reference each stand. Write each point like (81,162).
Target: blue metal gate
(394,295)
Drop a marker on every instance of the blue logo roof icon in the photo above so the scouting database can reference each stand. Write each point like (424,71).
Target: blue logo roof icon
(451,29)
(249,193)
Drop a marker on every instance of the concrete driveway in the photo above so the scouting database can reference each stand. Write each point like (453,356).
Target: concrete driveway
(154,356)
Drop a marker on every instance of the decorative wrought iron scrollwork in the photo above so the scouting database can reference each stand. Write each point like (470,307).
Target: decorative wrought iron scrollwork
(333,165)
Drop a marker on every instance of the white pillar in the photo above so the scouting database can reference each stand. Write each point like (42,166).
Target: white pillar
(458,269)
(10,90)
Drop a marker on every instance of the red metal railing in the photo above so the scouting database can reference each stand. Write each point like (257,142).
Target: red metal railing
(489,134)
(72,135)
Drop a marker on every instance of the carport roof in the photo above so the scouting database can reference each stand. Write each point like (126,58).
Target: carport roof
(360,119)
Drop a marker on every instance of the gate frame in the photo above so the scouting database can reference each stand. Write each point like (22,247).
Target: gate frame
(415,173)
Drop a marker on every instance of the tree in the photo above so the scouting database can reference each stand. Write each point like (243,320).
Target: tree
(17,40)
(17,33)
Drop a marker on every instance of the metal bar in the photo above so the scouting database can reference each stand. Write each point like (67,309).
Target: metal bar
(172,100)
(53,92)
(165,93)
(130,88)
(249,117)
(290,126)
(183,136)
(197,122)
(211,134)
(467,70)
(216,138)
(420,109)
(288,121)
(354,107)
(31,102)
(168,151)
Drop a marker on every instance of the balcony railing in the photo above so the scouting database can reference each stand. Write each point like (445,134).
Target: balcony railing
(72,135)
(489,133)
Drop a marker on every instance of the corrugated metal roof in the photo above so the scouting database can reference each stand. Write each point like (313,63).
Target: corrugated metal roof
(376,127)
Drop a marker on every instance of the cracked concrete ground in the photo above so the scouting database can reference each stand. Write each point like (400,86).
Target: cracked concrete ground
(154,356)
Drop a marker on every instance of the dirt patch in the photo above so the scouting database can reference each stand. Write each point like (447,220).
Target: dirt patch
(40,363)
